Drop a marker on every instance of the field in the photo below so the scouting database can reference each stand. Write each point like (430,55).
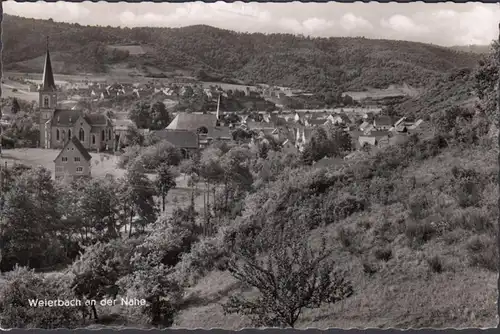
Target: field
(391,91)
(17,90)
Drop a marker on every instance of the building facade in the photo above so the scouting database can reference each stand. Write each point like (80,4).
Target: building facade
(73,161)
(58,126)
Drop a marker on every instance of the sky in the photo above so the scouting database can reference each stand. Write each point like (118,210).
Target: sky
(444,24)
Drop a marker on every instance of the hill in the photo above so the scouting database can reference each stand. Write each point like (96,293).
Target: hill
(479,49)
(279,59)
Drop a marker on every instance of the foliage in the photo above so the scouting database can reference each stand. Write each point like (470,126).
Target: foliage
(23,285)
(317,64)
(291,277)
(150,116)
(165,182)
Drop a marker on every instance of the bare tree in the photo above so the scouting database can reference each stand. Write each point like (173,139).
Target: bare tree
(289,274)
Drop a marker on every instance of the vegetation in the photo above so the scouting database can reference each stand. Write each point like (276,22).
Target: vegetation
(386,234)
(316,64)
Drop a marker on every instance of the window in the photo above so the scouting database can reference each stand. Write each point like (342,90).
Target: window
(77,159)
(103,136)
(82,135)
(64,159)
(59,169)
(45,101)
(79,169)
(93,139)
(63,135)
(57,135)
(69,133)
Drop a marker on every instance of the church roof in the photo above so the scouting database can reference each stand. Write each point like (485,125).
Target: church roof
(79,146)
(48,82)
(65,117)
(97,119)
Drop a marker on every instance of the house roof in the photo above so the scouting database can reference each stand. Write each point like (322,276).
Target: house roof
(378,134)
(219,132)
(178,138)
(383,120)
(192,122)
(78,146)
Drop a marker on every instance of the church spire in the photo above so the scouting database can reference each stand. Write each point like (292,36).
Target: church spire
(48,76)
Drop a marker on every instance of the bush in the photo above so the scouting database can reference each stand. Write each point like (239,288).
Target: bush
(23,285)
(131,153)
(435,264)
(483,252)
(419,232)
(383,253)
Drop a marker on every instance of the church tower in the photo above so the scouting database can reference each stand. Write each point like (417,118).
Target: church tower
(47,100)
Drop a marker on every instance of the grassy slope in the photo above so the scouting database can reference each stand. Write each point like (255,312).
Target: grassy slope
(404,292)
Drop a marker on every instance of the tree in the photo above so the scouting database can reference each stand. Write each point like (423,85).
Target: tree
(159,117)
(291,277)
(140,114)
(98,270)
(164,182)
(134,137)
(136,193)
(99,207)
(15,108)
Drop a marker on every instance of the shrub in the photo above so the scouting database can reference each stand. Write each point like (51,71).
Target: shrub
(435,264)
(383,253)
(483,252)
(419,232)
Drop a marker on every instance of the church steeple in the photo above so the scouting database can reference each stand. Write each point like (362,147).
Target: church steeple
(48,83)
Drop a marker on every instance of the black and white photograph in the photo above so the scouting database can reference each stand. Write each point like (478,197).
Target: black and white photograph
(249,165)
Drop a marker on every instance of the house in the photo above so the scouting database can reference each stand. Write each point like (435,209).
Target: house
(57,126)
(339,119)
(186,141)
(193,122)
(73,161)
(383,122)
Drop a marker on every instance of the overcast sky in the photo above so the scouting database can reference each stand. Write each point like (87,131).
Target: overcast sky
(442,23)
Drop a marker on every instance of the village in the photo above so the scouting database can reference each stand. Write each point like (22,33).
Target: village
(65,128)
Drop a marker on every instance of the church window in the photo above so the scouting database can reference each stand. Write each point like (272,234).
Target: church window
(57,134)
(93,139)
(103,136)
(69,133)
(82,135)
(46,101)
(109,134)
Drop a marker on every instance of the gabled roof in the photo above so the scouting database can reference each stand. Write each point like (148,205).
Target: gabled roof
(178,138)
(192,122)
(97,119)
(78,145)
(66,117)
(383,120)
(219,132)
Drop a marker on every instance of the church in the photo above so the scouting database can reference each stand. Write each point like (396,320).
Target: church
(58,126)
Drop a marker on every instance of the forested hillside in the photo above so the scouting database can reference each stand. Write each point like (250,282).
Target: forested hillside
(281,59)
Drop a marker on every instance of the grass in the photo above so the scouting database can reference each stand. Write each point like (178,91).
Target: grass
(446,278)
